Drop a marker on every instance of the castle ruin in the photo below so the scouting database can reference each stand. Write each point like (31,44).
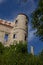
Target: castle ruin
(14,31)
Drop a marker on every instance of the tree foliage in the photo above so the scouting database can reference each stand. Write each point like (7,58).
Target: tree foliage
(18,55)
(37,19)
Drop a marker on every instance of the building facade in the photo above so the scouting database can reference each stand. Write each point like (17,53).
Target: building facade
(10,32)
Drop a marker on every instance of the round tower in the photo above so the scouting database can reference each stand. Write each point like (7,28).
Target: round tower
(21,28)
(18,31)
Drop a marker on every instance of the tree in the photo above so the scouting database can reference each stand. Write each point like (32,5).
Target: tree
(21,47)
(40,58)
(37,20)
(1,48)
(18,55)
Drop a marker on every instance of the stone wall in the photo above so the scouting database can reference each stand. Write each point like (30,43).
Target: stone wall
(17,30)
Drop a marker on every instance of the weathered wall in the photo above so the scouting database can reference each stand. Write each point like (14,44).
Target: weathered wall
(4,30)
(20,29)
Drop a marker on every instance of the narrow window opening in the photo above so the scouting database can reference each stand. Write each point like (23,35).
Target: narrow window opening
(26,23)
(14,36)
(25,37)
(6,37)
(16,21)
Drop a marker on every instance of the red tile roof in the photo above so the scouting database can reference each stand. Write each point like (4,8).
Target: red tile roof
(5,23)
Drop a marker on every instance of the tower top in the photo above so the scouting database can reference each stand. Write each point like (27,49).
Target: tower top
(24,15)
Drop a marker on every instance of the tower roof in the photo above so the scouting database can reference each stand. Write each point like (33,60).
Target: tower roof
(24,14)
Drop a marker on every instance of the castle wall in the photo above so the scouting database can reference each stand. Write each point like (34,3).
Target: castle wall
(20,29)
(4,30)
(2,36)
(17,30)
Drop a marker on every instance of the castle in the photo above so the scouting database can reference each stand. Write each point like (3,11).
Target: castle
(14,31)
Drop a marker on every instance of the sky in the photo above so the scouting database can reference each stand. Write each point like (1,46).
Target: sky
(9,9)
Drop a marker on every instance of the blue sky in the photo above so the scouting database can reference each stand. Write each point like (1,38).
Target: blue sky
(9,9)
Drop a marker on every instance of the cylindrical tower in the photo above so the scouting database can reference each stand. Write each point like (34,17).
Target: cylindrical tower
(21,28)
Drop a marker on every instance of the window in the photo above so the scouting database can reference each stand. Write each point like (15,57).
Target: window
(6,37)
(25,37)
(26,23)
(14,36)
(16,21)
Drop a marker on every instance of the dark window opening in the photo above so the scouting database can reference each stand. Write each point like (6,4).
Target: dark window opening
(25,37)
(26,23)
(14,36)
(16,21)
(6,37)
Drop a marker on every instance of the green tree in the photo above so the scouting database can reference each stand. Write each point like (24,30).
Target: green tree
(21,47)
(18,55)
(1,48)
(41,57)
(37,19)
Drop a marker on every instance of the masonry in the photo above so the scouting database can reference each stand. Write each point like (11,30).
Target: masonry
(17,30)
